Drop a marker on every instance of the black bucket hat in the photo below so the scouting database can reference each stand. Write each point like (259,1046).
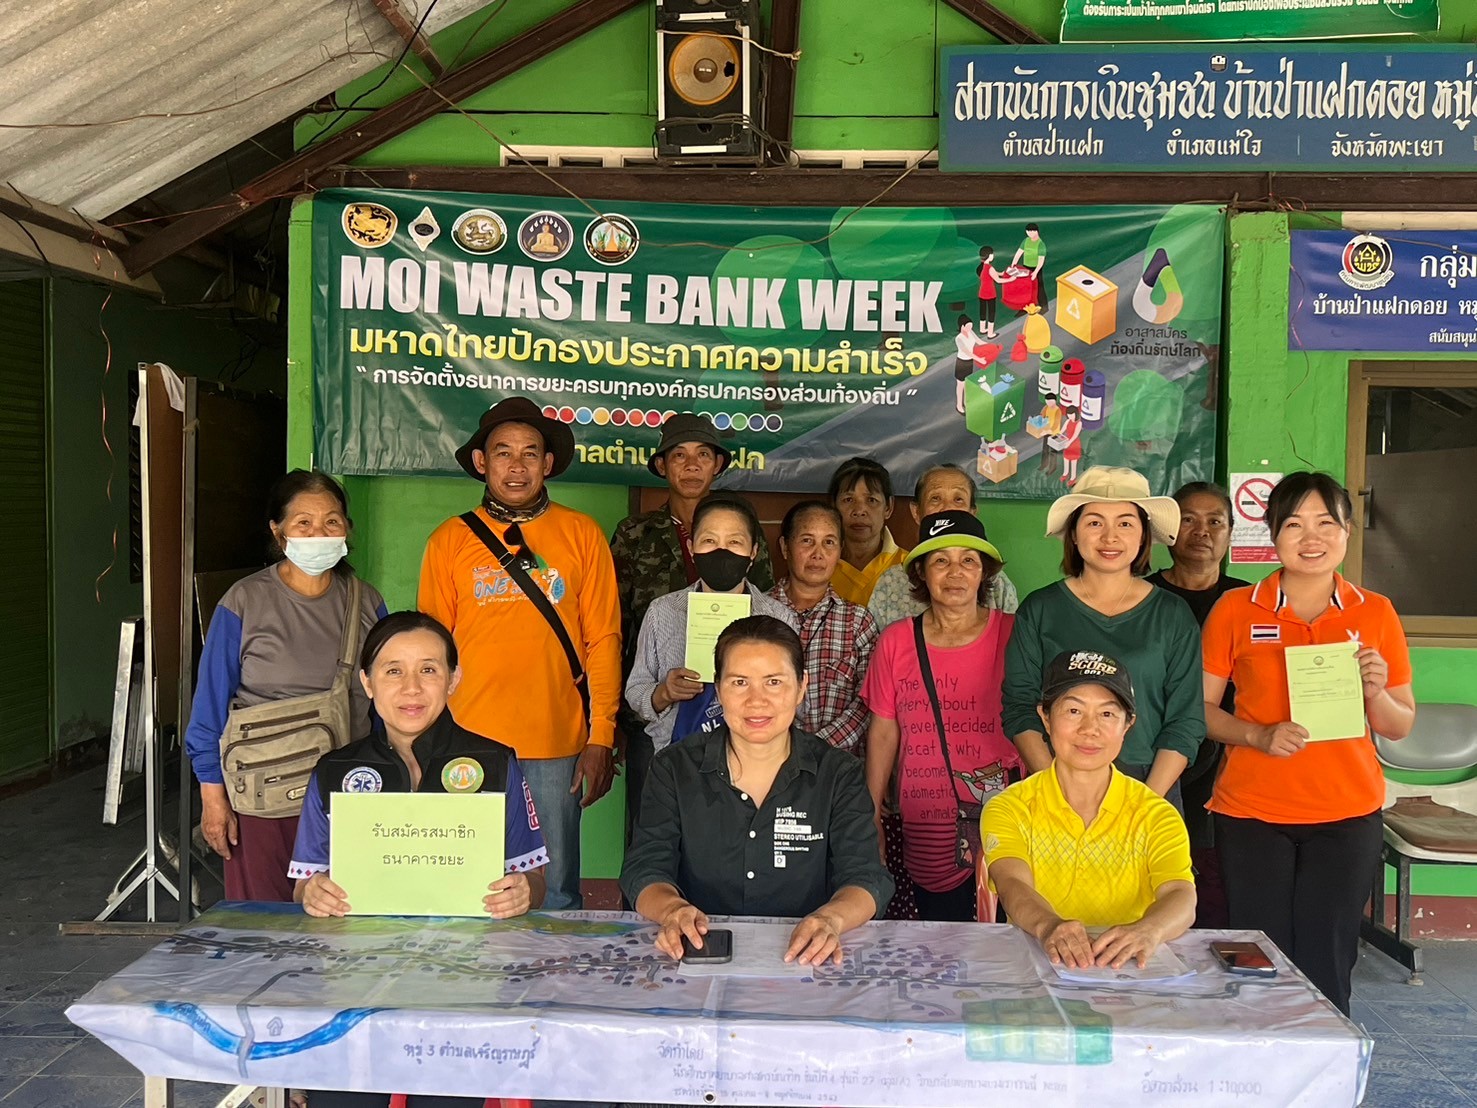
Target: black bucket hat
(689,427)
(558,438)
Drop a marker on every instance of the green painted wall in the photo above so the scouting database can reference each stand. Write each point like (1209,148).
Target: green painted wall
(94,349)
(862,85)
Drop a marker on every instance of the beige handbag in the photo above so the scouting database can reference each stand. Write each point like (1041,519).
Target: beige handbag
(268,750)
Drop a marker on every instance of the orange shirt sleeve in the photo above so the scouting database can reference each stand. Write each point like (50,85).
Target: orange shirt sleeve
(436,595)
(1392,644)
(600,626)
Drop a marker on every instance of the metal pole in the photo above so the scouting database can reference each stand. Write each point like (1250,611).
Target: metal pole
(187,642)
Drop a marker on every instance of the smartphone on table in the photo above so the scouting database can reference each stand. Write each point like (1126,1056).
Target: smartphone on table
(717,947)
(1246,959)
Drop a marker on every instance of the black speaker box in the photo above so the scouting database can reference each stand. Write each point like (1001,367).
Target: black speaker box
(709,95)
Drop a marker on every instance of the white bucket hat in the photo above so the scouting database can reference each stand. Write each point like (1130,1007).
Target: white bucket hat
(1108,484)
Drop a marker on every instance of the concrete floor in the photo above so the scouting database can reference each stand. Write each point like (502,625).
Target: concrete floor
(60,862)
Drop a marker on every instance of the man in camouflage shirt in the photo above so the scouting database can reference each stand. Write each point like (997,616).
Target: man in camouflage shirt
(653,556)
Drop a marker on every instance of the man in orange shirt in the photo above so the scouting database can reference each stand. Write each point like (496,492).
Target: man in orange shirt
(550,697)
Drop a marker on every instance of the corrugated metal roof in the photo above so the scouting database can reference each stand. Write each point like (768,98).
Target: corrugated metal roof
(88,61)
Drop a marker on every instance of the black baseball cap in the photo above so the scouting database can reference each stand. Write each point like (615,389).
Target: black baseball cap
(945,529)
(1071,668)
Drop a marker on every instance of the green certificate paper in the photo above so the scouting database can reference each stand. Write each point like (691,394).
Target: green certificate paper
(1325,689)
(708,613)
(415,854)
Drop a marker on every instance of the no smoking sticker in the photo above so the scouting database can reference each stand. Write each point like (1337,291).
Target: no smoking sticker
(1251,540)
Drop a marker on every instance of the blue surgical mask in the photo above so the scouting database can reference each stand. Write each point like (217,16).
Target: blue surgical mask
(316,556)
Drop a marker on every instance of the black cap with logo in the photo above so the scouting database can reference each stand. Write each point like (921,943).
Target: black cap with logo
(1071,668)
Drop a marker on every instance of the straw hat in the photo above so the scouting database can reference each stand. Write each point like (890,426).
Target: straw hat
(1116,484)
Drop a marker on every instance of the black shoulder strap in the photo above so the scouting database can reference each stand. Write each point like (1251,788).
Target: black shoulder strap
(520,578)
(933,698)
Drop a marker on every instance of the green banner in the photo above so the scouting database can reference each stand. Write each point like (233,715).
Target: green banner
(1225,20)
(807,335)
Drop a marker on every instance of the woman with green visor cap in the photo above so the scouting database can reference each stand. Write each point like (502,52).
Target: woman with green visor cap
(933,689)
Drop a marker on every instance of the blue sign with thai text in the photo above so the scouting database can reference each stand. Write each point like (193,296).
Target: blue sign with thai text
(1406,291)
(1213,109)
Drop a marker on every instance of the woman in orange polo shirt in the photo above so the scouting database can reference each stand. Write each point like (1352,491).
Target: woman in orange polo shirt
(1297,822)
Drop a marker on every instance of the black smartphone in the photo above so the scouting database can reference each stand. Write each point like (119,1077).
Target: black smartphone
(717,947)
(1247,959)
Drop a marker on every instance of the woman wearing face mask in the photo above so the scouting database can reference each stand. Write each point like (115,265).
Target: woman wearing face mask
(672,700)
(275,634)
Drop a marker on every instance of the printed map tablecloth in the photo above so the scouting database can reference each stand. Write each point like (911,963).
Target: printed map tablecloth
(579,1006)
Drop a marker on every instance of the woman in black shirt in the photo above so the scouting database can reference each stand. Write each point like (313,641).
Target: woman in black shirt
(757,818)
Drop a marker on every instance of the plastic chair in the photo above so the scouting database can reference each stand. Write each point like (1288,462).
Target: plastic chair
(1437,759)
(985,900)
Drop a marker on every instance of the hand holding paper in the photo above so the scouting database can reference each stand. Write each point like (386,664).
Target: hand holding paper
(1374,671)
(1326,690)
(1281,740)
(708,614)
(416,854)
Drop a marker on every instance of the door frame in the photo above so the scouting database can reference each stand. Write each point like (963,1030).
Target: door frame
(1459,631)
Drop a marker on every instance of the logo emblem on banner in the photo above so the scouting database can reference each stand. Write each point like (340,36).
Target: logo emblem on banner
(546,236)
(424,229)
(369,225)
(362,779)
(1368,263)
(479,231)
(612,239)
(462,775)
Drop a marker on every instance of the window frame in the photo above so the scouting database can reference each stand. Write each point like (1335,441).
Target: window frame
(1450,631)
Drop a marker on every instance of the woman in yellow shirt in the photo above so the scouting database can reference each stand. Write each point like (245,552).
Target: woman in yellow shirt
(1080,845)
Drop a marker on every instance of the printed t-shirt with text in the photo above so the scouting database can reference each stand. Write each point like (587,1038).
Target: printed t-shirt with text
(968,680)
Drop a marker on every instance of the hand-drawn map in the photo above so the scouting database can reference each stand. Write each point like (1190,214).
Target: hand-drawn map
(580,1006)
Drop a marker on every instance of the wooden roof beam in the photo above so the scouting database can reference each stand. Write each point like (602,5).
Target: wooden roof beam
(294,175)
(398,18)
(779,96)
(1005,27)
(1246,190)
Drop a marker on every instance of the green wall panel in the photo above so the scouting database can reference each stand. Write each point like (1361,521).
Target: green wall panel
(458,140)
(877,62)
(94,349)
(25,700)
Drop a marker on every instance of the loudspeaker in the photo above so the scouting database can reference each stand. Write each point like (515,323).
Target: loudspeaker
(708,98)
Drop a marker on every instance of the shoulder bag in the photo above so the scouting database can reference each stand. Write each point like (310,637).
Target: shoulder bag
(268,750)
(967,821)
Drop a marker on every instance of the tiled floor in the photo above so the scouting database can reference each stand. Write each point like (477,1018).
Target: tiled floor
(60,861)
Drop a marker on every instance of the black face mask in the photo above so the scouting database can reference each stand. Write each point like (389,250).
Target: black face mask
(721,570)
